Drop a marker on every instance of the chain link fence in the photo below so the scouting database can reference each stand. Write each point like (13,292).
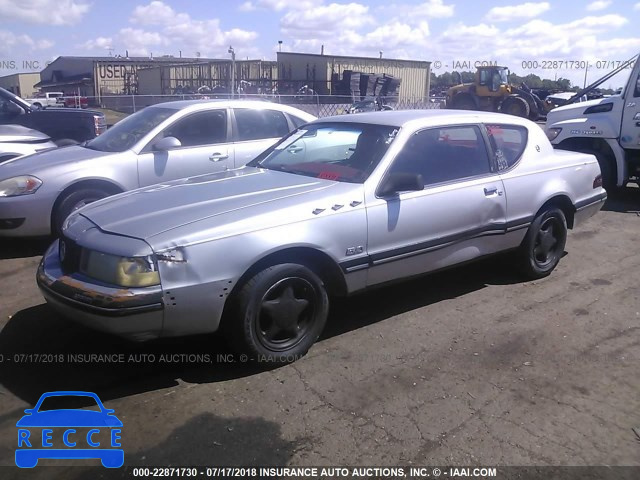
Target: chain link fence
(318,105)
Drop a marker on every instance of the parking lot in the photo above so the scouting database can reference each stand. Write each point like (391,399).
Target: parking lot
(464,367)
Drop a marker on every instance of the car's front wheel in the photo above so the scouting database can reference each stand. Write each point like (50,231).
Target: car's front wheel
(278,314)
(72,202)
(543,246)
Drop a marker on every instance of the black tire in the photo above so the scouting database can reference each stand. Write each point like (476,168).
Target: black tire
(543,246)
(463,102)
(65,142)
(37,106)
(607,170)
(73,201)
(278,314)
(517,106)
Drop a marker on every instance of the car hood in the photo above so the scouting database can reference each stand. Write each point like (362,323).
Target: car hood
(31,164)
(69,418)
(218,198)
(18,133)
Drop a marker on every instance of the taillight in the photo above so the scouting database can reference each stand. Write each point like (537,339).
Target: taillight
(597,182)
(100,124)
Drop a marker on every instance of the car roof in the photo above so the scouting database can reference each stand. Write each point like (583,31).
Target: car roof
(426,117)
(203,104)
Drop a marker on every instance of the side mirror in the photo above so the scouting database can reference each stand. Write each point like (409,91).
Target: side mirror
(166,143)
(400,182)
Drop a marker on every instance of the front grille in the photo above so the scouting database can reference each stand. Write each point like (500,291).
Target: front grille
(70,253)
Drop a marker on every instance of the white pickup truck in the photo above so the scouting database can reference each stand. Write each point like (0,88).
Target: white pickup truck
(46,99)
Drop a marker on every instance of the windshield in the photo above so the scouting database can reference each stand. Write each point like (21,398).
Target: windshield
(503,77)
(344,152)
(129,131)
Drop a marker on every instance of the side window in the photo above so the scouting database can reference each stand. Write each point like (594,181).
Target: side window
(509,142)
(203,128)
(484,77)
(259,124)
(636,92)
(444,154)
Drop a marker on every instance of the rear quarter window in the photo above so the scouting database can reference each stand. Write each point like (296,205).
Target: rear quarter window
(508,142)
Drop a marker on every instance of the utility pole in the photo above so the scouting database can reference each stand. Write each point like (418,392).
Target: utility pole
(233,70)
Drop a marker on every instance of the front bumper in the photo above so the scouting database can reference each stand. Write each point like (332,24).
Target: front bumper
(26,215)
(133,313)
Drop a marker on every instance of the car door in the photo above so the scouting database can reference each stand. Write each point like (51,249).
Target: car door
(205,148)
(255,130)
(459,215)
(630,132)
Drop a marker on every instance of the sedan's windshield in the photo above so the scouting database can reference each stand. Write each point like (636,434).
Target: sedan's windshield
(345,152)
(126,133)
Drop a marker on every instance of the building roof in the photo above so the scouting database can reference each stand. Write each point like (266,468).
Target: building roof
(18,74)
(354,57)
(134,59)
(82,79)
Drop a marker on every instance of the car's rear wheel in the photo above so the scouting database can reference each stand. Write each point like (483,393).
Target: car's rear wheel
(543,246)
(72,202)
(278,314)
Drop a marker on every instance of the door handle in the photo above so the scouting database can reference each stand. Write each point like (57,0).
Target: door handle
(294,149)
(488,191)
(216,157)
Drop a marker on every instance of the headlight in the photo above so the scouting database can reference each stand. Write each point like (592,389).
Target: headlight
(552,133)
(122,271)
(23,185)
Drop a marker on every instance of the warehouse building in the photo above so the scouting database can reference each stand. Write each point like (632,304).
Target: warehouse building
(21,84)
(99,76)
(251,77)
(323,73)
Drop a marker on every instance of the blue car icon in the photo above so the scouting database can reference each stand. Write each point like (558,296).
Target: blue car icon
(39,428)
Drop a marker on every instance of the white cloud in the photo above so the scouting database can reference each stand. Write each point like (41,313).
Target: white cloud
(100,43)
(636,6)
(598,5)
(141,43)
(10,43)
(49,12)
(247,7)
(277,5)
(157,13)
(515,12)
(326,20)
(409,12)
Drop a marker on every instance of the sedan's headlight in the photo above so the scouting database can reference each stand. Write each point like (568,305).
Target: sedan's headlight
(552,133)
(122,271)
(22,185)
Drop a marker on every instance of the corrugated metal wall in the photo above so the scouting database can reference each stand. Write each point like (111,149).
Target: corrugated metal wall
(174,78)
(413,77)
(297,69)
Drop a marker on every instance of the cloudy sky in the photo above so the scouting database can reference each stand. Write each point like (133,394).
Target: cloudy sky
(514,33)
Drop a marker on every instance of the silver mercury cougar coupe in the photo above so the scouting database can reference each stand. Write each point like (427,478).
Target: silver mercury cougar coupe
(340,205)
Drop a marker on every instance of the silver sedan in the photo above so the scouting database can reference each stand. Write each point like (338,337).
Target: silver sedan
(159,143)
(341,205)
